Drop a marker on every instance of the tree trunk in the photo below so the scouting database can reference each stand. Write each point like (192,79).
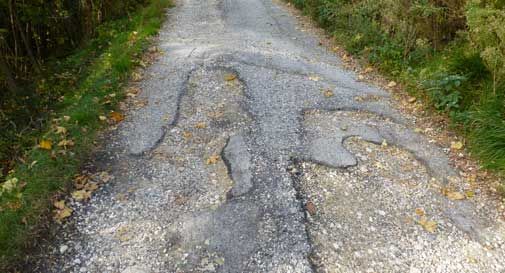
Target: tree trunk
(25,40)
(4,69)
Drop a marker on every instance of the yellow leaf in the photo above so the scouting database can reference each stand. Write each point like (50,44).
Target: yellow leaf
(62,214)
(328,93)
(455,195)
(59,204)
(368,69)
(470,194)
(46,144)
(80,181)
(105,177)
(187,135)
(229,77)
(420,211)
(66,143)
(430,226)
(392,84)
(116,117)
(81,195)
(90,187)
(61,130)
(136,77)
(201,125)
(102,118)
(458,145)
(9,185)
(212,159)
(412,99)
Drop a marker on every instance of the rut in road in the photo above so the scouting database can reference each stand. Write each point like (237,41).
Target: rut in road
(258,152)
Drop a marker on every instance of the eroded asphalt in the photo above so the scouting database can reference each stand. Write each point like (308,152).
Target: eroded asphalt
(258,152)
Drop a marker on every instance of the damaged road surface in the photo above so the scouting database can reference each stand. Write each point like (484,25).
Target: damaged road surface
(252,154)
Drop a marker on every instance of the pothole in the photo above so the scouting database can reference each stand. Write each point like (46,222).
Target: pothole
(383,215)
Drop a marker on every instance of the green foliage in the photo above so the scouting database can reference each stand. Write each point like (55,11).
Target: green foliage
(486,22)
(487,134)
(33,34)
(83,82)
(444,91)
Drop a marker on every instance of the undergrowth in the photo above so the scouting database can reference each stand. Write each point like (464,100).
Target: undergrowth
(81,86)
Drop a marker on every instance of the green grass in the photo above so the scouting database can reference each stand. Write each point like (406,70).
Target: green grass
(82,82)
(453,79)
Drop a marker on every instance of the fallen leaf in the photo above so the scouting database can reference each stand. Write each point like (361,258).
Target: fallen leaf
(131,95)
(90,187)
(314,78)
(61,130)
(187,135)
(392,84)
(470,194)
(116,116)
(412,99)
(136,77)
(420,211)
(359,98)
(9,185)
(311,208)
(46,144)
(122,234)
(229,77)
(102,118)
(328,93)
(368,70)
(212,159)
(81,195)
(430,226)
(219,261)
(66,143)
(384,143)
(14,205)
(105,177)
(418,130)
(458,145)
(59,204)
(62,214)
(201,125)
(455,195)
(80,181)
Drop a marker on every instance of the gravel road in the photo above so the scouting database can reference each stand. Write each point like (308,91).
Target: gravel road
(256,151)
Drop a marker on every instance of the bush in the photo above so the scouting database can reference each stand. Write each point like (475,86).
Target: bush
(486,22)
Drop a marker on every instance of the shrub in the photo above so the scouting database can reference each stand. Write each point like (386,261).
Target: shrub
(486,21)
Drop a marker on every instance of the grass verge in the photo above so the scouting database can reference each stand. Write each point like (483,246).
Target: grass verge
(84,81)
